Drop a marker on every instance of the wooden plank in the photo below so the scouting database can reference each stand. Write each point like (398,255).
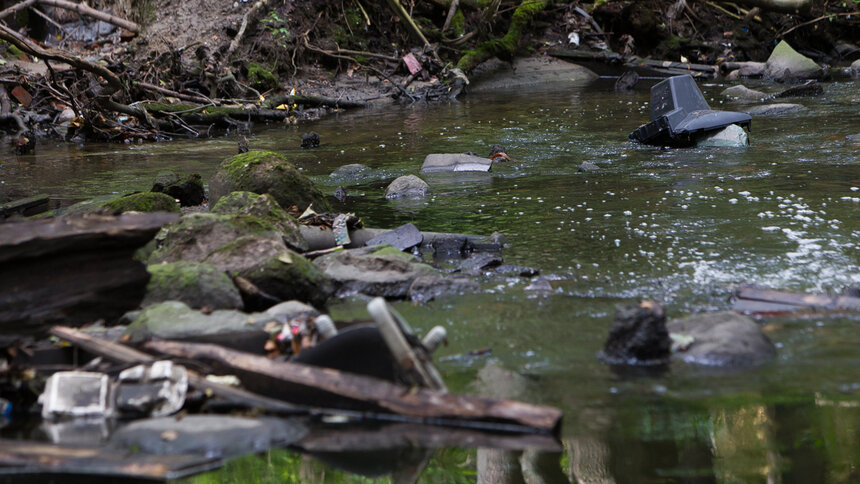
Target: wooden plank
(780,299)
(24,457)
(26,206)
(309,385)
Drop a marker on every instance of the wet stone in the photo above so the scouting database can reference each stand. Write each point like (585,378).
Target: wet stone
(310,140)
(521,271)
(478,262)
(427,288)
(743,94)
(775,109)
(407,187)
(404,237)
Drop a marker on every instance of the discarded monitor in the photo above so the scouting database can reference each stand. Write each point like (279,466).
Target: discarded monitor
(680,115)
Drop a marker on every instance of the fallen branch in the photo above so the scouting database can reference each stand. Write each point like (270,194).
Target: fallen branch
(414,30)
(14,8)
(249,17)
(309,385)
(167,92)
(84,9)
(815,20)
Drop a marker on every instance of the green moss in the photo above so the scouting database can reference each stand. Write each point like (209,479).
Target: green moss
(458,23)
(168,108)
(261,77)
(143,202)
(507,45)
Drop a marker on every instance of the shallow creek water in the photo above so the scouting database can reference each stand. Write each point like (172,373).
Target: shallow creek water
(682,226)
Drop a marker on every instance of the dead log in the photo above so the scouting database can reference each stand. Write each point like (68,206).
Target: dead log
(752,300)
(309,385)
(72,270)
(84,9)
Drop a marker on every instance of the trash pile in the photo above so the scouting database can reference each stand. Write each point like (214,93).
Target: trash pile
(159,411)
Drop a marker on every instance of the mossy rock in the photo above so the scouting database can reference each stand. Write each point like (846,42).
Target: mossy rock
(379,270)
(143,202)
(197,235)
(196,284)
(264,207)
(266,172)
(786,64)
(274,269)
(175,320)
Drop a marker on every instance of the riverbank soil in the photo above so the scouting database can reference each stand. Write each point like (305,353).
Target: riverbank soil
(158,69)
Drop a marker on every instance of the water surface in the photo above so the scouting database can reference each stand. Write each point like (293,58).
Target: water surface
(682,226)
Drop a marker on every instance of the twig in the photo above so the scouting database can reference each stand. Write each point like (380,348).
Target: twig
(451,12)
(721,9)
(246,19)
(398,86)
(49,20)
(185,97)
(810,22)
(412,27)
(84,9)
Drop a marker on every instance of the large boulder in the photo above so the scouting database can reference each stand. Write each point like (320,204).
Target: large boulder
(274,269)
(379,270)
(743,94)
(266,172)
(786,65)
(196,284)
(720,339)
(407,187)
(266,208)
(175,320)
(197,235)
(248,247)
(187,189)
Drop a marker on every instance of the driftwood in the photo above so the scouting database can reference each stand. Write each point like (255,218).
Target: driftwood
(26,206)
(72,270)
(751,300)
(20,457)
(309,385)
(84,9)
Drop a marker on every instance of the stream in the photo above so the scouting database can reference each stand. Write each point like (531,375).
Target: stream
(681,226)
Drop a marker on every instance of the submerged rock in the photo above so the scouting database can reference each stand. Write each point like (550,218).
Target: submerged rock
(379,270)
(188,190)
(196,284)
(807,89)
(407,187)
(266,172)
(266,208)
(213,436)
(721,339)
(351,171)
(427,288)
(775,109)
(743,94)
(588,167)
(786,65)
(310,140)
(732,136)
